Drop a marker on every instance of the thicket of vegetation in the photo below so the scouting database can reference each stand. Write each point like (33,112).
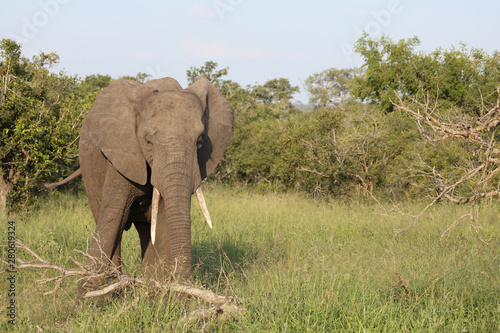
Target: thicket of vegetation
(358,139)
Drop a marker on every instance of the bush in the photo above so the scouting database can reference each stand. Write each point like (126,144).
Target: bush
(41,114)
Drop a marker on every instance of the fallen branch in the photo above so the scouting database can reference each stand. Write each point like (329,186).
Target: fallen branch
(226,305)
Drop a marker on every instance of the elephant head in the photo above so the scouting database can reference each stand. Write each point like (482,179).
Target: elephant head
(161,139)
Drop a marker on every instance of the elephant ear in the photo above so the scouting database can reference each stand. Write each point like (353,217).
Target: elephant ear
(164,84)
(111,125)
(218,120)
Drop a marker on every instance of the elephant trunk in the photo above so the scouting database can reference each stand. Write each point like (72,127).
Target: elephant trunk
(172,177)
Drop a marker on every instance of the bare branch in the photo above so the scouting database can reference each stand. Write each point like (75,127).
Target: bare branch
(465,128)
(473,198)
(21,245)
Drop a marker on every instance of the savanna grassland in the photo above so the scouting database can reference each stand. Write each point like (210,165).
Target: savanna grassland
(300,265)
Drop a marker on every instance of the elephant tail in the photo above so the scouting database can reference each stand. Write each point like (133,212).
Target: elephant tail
(52,186)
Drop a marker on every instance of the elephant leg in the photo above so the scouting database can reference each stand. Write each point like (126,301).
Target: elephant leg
(94,169)
(108,232)
(116,259)
(104,251)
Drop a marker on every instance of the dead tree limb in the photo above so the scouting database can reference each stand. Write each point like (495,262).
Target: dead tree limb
(222,304)
(467,128)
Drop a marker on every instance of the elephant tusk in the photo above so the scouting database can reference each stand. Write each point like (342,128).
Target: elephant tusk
(154,213)
(203,205)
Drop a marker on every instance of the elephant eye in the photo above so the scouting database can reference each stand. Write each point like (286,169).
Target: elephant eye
(199,142)
(147,141)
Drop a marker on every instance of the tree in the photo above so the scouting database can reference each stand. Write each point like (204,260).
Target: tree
(208,71)
(454,76)
(275,90)
(96,82)
(307,158)
(330,87)
(274,99)
(40,118)
(453,96)
(479,177)
(140,77)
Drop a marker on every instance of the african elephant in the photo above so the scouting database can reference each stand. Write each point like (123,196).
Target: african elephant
(144,150)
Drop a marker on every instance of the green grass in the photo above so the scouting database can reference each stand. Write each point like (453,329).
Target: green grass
(300,265)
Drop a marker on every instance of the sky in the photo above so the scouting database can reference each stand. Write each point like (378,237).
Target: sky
(258,40)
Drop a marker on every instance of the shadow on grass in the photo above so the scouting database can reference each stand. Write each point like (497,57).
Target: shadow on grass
(213,260)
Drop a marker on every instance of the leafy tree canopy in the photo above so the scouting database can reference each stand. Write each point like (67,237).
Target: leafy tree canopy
(330,87)
(209,71)
(96,82)
(275,90)
(140,77)
(457,76)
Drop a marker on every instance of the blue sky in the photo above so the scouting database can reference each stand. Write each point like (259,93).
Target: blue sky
(258,40)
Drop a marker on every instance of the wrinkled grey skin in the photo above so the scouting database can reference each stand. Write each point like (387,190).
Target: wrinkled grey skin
(137,136)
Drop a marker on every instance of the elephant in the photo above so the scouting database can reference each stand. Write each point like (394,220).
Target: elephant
(144,150)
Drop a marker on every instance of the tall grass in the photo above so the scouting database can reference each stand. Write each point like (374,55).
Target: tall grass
(300,265)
